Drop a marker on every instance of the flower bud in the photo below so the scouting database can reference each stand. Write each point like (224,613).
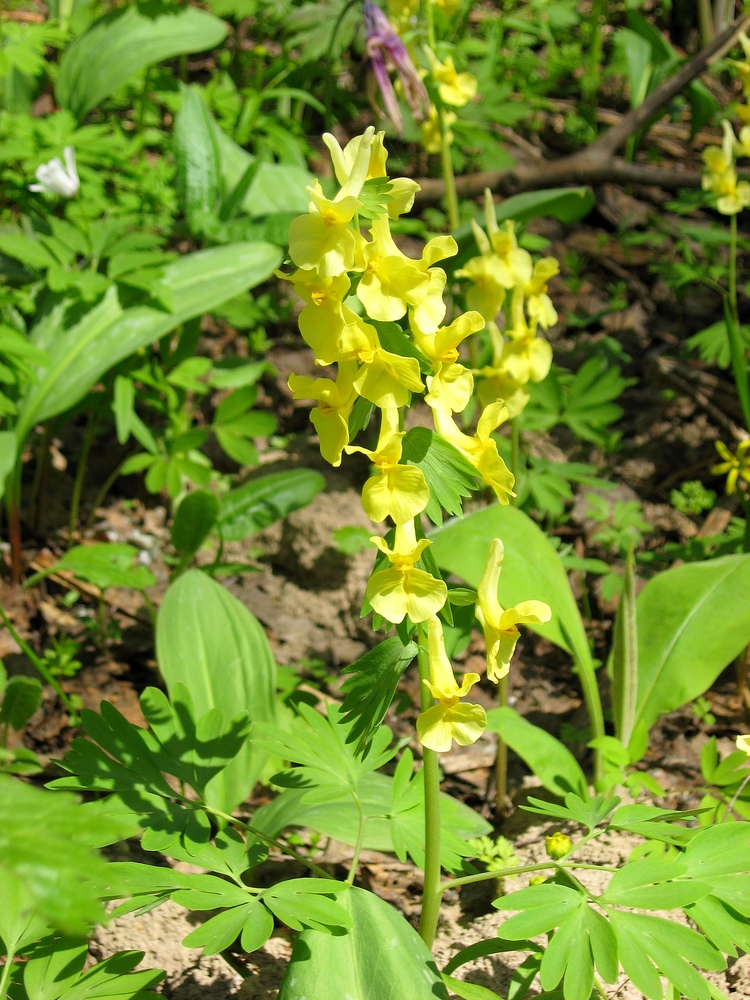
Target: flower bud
(537,880)
(557,845)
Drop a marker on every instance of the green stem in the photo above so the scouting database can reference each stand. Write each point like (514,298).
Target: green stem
(446,161)
(40,476)
(104,491)
(5,974)
(13,509)
(736,795)
(75,500)
(733,268)
(41,667)
(431,894)
(501,759)
(454,883)
(515,442)
(265,839)
(360,841)
(587,675)
(591,80)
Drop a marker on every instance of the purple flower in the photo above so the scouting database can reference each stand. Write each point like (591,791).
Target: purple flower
(385,51)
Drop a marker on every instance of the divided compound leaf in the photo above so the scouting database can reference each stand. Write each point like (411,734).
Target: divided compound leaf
(450,477)
(371,688)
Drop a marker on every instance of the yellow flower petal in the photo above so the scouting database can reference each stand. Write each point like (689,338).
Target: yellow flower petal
(441,724)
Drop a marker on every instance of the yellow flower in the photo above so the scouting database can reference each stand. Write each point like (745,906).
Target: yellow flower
(430,131)
(323,319)
(402,189)
(481,449)
(743,744)
(391,280)
(429,313)
(330,417)
(736,464)
(499,384)
(384,379)
(450,388)
(500,631)
(397,491)
(489,277)
(403,589)
(456,89)
(538,303)
(448,720)
(324,239)
(452,384)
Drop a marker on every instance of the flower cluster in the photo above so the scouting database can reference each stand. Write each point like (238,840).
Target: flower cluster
(720,175)
(504,277)
(360,290)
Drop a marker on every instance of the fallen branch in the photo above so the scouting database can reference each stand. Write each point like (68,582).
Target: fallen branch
(598,164)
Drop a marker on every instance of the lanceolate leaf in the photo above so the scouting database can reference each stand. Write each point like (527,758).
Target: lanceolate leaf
(197,156)
(693,620)
(125,41)
(381,955)
(212,644)
(80,354)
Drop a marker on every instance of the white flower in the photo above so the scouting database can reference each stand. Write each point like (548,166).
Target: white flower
(54,178)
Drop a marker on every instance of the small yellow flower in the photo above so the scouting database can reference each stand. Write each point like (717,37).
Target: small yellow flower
(481,448)
(448,720)
(743,744)
(489,277)
(430,137)
(403,589)
(456,89)
(397,491)
(500,626)
(330,417)
(323,319)
(402,189)
(736,464)
(391,280)
(324,239)
(538,303)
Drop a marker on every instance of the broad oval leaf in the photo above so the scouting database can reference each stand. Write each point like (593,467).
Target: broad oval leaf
(79,355)
(210,642)
(197,157)
(381,956)
(532,569)
(125,41)
(693,620)
(260,502)
(193,521)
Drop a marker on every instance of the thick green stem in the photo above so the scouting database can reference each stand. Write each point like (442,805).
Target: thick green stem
(591,80)
(431,895)
(501,760)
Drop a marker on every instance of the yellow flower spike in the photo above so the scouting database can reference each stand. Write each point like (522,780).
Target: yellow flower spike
(330,417)
(391,280)
(456,89)
(384,379)
(538,303)
(743,744)
(500,626)
(324,239)
(397,491)
(481,449)
(448,720)
(403,589)
(736,464)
